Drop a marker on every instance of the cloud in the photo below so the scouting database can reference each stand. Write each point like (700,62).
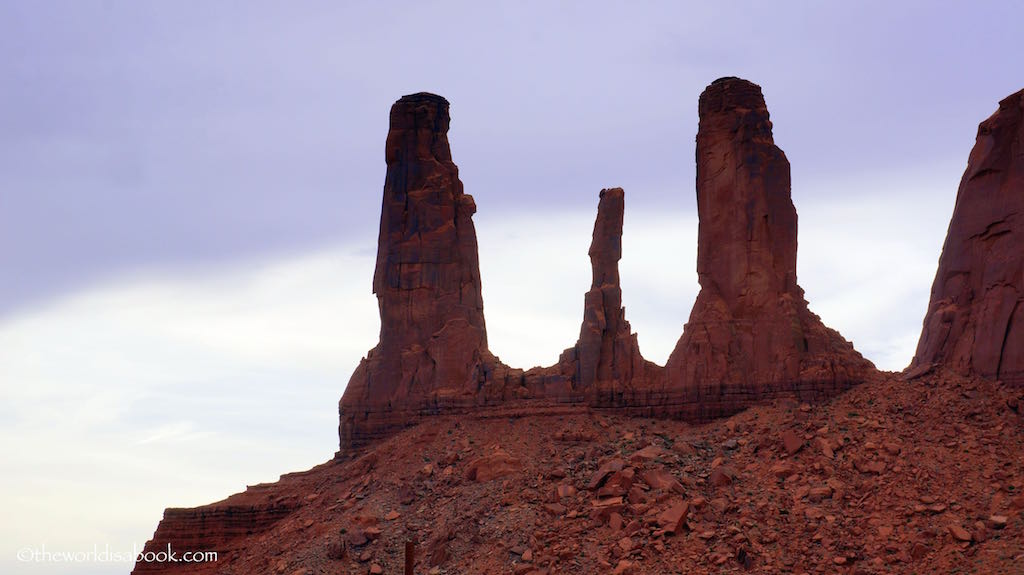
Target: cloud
(172,389)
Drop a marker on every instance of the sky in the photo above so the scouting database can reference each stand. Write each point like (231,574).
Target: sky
(190,194)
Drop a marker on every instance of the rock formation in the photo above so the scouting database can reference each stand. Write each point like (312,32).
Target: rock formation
(975,320)
(618,491)
(606,360)
(888,478)
(433,341)
(750,334)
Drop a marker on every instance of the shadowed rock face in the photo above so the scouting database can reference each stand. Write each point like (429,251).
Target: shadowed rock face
(975,319)
(433,341)
(750,334)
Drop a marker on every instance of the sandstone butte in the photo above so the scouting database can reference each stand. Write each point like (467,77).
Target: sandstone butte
(606,462)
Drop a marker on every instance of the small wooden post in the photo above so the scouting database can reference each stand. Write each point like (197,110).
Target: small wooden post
(410,556)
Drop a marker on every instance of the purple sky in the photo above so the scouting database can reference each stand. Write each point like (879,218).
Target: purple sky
(190,193)
(155,134)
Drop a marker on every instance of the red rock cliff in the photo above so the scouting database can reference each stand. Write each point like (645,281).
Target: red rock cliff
(975,319)
(433,342)
(750,334)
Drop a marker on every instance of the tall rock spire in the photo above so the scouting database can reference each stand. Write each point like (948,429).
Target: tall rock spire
(427,278)
(433,341)
(750,334)
(607,355)
(975,320)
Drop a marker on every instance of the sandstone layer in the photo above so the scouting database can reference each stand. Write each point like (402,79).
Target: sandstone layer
(222,528)
(975,319)
(750,334)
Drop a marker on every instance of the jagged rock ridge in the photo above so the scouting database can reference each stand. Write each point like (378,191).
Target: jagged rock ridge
(975,319)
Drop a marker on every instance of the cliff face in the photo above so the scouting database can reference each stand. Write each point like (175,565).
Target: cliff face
(750,334)
(975,319)
(433,342)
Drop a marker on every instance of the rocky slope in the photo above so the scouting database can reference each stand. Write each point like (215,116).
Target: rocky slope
(975,321)
(887,478)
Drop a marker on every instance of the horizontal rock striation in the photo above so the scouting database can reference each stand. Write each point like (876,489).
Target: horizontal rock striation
(975,319)
(221,527)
